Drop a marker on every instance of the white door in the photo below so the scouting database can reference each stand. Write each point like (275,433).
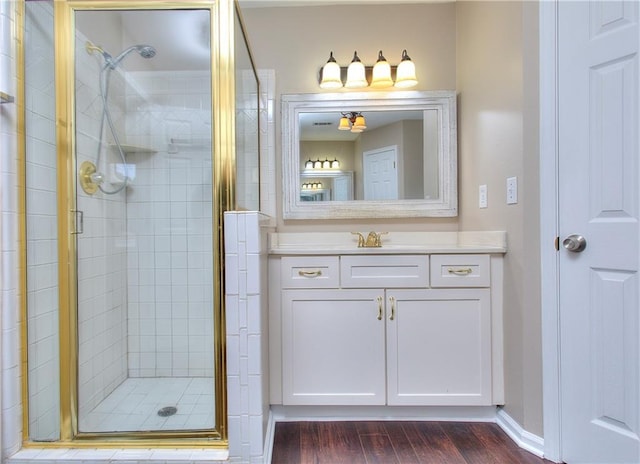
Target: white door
(343,188)
(380,174)
(599,199)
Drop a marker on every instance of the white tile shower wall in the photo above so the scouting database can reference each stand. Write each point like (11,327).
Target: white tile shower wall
(11,426)
(102,246)
(247,142)
(41,205)
(267,79)
(169,220)
(246,313)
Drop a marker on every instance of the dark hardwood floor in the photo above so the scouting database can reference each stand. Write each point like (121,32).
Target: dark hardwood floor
(396,442)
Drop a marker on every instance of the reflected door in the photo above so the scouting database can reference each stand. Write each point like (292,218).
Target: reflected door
(380,174)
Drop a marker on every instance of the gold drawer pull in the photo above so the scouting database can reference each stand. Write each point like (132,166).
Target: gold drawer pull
(316,273)
(460,272)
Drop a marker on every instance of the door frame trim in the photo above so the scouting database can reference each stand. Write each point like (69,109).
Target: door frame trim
(549,211)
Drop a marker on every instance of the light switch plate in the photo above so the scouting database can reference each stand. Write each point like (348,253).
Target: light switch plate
(482,196)
(512,190)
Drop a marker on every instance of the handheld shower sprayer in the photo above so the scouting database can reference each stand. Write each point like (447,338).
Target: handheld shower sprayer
(91,179)
(145,51)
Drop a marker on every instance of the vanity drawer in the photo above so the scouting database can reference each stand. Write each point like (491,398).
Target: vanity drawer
(383,271)
(460,271)
(310,272)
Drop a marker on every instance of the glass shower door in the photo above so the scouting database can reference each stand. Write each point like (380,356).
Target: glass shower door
(144,221)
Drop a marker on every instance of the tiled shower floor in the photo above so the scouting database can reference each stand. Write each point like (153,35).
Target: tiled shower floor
(134,405)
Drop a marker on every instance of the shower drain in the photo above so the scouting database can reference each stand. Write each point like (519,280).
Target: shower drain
(167,411)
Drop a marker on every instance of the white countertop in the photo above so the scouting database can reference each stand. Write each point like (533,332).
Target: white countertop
(330,243)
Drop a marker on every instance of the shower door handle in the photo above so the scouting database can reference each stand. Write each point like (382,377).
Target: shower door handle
(79,222)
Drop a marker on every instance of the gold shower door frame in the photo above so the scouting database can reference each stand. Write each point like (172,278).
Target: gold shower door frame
(222,15)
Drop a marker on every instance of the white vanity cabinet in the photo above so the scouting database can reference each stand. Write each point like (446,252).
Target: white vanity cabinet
(439,347)
(387,329)
(333,347)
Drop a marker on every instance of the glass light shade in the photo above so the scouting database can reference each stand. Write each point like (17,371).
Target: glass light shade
(356,78)
(331,74)
(308,164)
(381,73)
(344,124)
(317,164)
(406,72)
(326,164)
(335,164)
(356,130)
(360,123)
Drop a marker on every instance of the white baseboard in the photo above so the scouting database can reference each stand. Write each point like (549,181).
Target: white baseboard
(525,440)
(361,413)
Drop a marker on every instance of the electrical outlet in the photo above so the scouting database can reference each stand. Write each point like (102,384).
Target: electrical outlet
(482,196)
(512,190)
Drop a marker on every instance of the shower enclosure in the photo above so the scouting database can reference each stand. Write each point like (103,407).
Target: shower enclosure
(156,106)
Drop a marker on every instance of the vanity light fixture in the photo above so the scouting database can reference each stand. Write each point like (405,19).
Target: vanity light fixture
(320,164)
(358,76)
(406,72)
(330,76)
(381,73)
(352,121)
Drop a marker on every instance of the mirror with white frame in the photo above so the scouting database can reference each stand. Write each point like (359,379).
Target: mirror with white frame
(403,164)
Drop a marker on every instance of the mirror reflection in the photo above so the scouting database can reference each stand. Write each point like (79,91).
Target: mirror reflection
(391,155)
(373,154)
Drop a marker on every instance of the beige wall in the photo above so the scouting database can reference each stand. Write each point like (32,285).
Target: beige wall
(296,41)
(487,51)
(497,110)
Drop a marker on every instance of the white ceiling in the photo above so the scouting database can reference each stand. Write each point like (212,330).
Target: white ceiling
(324,125)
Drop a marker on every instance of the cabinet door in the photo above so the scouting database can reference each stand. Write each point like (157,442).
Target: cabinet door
(333,347)
(439,347)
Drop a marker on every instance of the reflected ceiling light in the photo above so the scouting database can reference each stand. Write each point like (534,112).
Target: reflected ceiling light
(357,76)
(330,76)
(352,121)
(344,124)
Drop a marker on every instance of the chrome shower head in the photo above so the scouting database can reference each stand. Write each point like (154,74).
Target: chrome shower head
(145,51)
